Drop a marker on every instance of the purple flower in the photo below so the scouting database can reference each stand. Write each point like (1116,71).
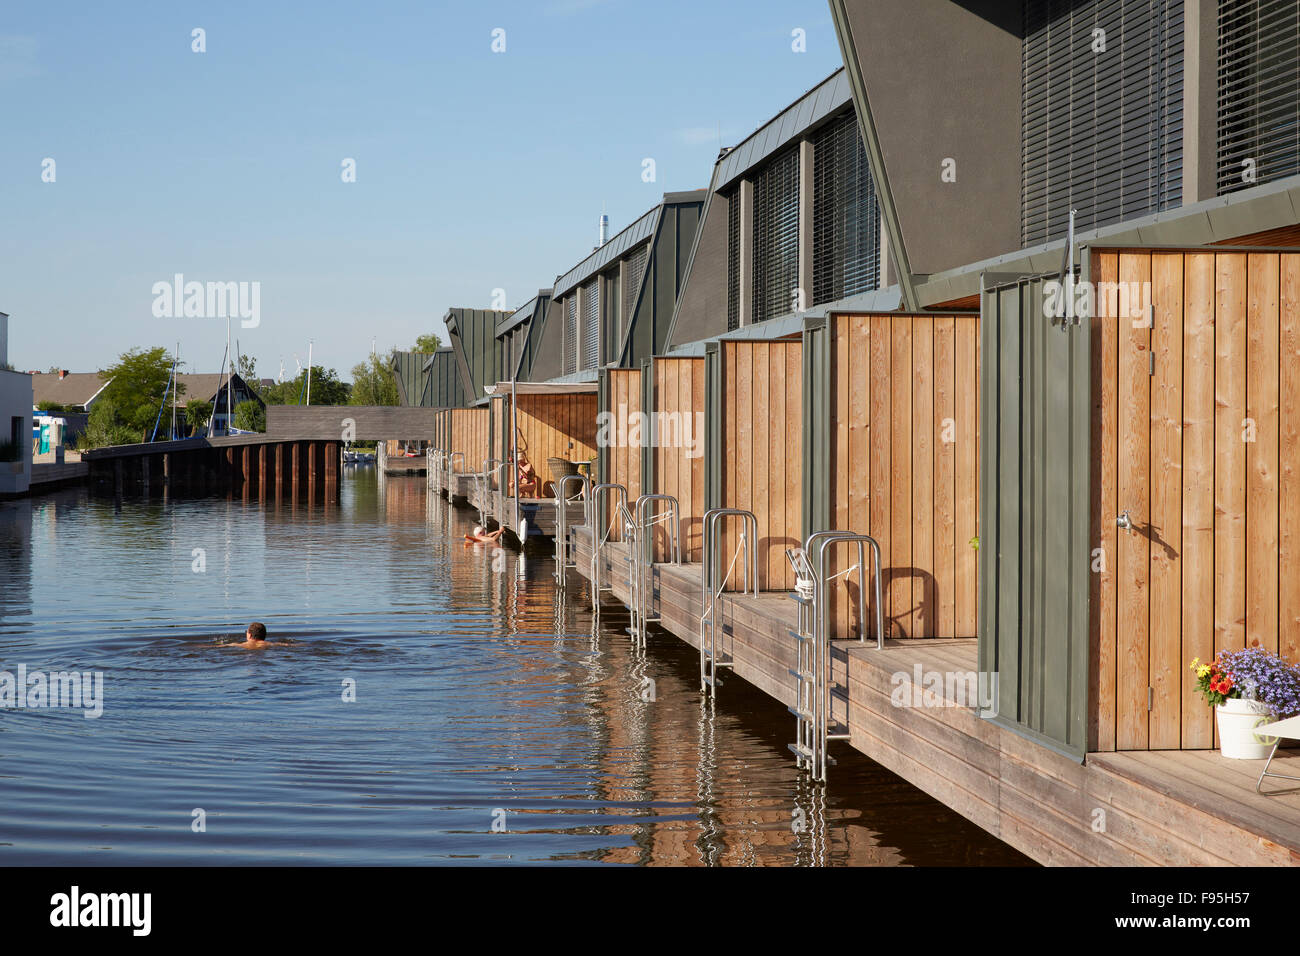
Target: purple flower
(1264,677)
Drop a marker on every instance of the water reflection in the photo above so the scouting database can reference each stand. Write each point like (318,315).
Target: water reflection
(484,695)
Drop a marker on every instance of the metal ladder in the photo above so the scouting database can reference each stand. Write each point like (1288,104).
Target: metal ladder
(710,587)
(562,547)
(483,485)
(640,557)
(451,469)
(812,670)
(598,537)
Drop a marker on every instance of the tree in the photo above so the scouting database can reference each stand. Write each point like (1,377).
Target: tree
(250,416)
(135,388)
(374,383)
(105,427)
(198,413)
(326,389)
(247,369)
(427,343)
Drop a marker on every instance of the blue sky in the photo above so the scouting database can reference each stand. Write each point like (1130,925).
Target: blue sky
(475,170)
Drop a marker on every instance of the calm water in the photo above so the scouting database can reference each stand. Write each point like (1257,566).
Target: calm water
(481,697)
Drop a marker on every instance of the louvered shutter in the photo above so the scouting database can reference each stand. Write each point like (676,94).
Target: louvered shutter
(776,236)
(570,335)
(591,323)
(846,217)
(635,270)
(1258,91)
(1101,130)
(733,259)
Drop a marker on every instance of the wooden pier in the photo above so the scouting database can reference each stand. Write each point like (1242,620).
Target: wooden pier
(257,467)
(1116,809)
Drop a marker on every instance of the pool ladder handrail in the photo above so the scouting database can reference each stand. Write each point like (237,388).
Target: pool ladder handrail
(710,588)
(640,556)
(812,656)
(432,461)
(483,484)
(562,548)
(451,469)
(599,537)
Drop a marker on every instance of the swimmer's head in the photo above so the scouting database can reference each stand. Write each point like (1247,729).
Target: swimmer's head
(256,631)
(478,530)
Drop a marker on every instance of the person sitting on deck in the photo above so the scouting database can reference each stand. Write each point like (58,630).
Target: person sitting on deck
(479,536)
(527,478)
(254,637)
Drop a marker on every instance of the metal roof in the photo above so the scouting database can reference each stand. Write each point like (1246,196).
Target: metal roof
(433,356)
(827,97)
(612,251)
(523,313)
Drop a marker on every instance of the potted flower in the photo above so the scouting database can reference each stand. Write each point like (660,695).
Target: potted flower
(1247,688)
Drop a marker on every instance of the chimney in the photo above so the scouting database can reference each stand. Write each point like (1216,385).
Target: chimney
(604,230)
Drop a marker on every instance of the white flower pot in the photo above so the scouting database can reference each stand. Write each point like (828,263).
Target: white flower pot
(1237,719)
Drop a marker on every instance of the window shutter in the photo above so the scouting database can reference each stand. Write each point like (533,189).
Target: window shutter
(591,323)
(846,217)
(570,336)
(733,260)
(635,270)
(1101,130)
(1258,91)
(776,236)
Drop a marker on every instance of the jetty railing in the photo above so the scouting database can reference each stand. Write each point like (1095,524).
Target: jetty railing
(710,587)
(563,548)
(451,468)
(812,670)
(595,521)
(640,556)
(483,485)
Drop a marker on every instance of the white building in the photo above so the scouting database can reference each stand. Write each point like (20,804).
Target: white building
(15,422)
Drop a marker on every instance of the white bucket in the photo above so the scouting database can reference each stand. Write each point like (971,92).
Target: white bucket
(1237,720)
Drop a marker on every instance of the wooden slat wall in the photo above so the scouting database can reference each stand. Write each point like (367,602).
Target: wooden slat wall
(762,443)
(469,436)
(679,452)
(1195,432)
(903,467)
(622,451)
(556,426)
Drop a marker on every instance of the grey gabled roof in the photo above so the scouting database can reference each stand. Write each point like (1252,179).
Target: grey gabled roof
(612,251)
(433,357)
(827,97)
(523,313)
(629,238)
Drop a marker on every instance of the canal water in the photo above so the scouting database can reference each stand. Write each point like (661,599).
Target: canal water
(433,703)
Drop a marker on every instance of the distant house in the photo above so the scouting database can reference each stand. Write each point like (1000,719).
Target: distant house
(72,390)
(408,369)
(212,388)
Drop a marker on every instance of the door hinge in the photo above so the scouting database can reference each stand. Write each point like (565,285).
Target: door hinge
(1151,698)
(1152,361)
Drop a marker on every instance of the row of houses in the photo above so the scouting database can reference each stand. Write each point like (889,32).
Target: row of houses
(1016,294)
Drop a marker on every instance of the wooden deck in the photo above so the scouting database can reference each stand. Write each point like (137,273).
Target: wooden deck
(540,512)
(1122,809)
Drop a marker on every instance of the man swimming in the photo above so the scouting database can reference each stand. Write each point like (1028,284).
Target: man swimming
(254,637)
